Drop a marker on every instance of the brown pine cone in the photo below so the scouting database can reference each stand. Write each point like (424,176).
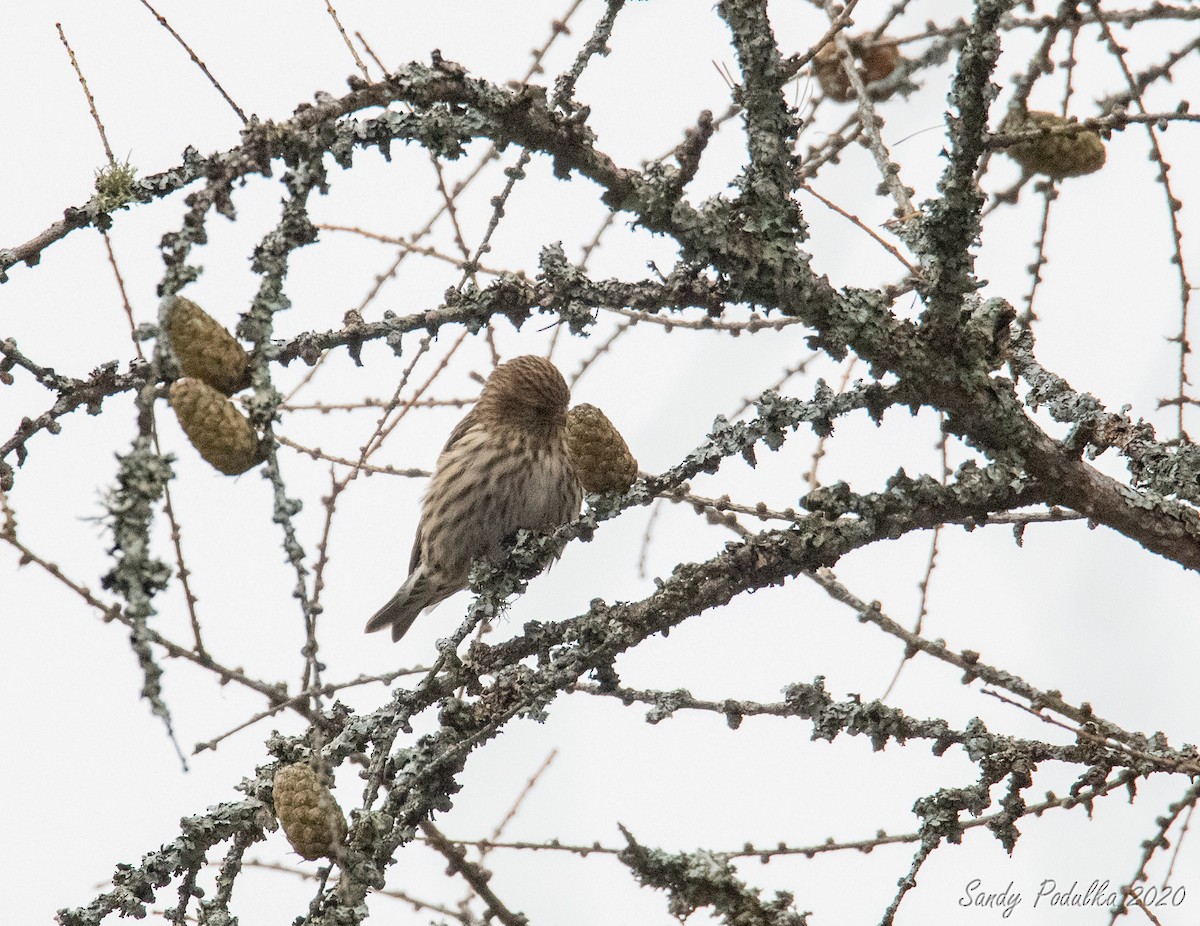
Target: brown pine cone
(204,349)
(875,62)
(221,433)
(600,455)
(311,817)
(1056,156)
(878,61)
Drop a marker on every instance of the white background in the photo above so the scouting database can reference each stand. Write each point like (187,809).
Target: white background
(89,777)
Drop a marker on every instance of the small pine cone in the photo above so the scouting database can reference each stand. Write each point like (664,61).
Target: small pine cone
(204,349)
(827,68)
(311,817)
(600,455)
(875,62)
(878,61)
(1056,156)
(221,433)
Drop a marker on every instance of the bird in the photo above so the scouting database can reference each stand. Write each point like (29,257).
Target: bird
(505,466)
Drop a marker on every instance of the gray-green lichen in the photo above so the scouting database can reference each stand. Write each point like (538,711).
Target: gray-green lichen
(695,880)
(115,186)
(135,886)
(137,575)
(743,247)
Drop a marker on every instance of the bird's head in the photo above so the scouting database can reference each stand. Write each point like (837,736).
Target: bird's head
(526,392)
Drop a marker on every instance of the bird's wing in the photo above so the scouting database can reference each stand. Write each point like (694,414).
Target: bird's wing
(415,559)
(459,431)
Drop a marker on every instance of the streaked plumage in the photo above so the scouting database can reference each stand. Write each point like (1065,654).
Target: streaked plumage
(504,467)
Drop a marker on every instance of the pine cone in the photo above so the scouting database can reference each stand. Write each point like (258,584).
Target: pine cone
(878,61)
(204,349)
(875,62)
(221,433)
(1056,156)
(600,455)
(311,817)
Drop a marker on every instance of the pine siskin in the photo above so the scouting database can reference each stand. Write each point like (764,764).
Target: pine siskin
(505,467)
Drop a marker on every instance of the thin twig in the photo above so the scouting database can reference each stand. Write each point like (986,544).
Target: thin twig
(362,68)
(474,875)
(196,61)
(108,152)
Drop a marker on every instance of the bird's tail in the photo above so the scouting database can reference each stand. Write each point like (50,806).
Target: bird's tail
(414,596)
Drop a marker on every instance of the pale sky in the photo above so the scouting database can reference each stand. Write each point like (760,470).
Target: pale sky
(92,780)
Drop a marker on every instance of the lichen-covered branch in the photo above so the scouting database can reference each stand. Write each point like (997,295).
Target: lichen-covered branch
(1028,437)
(694,880)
